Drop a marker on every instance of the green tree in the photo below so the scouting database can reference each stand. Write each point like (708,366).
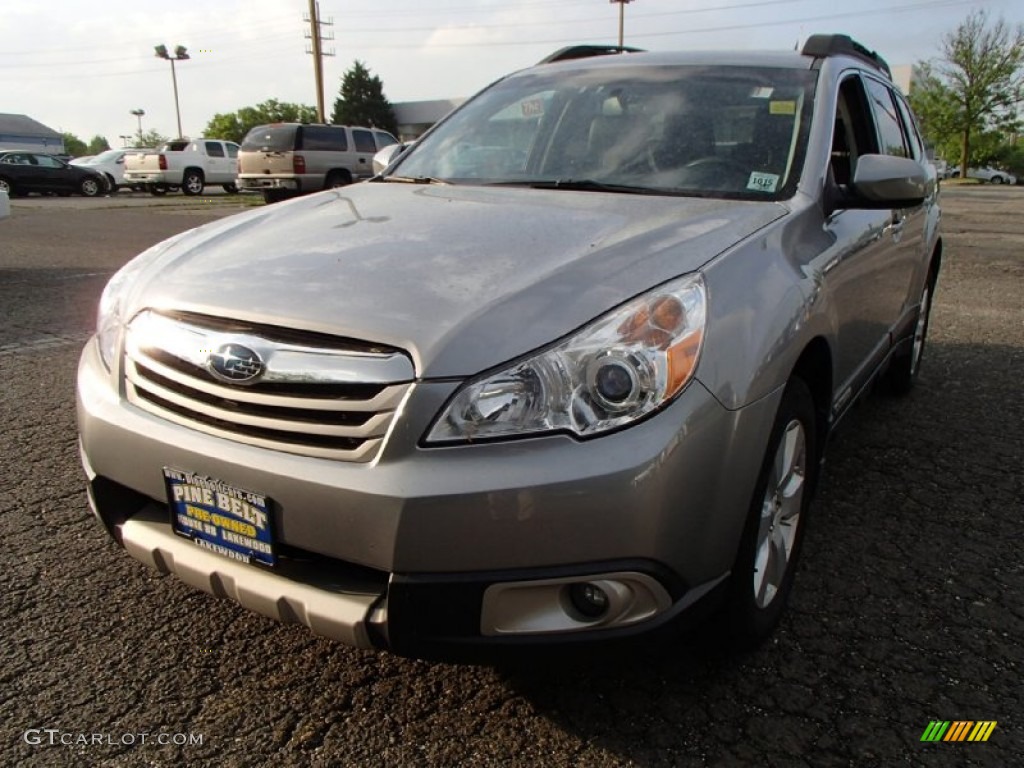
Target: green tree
(150,138)
(234,125)
(97,144)
(361,101)
(74,146)
(974,88)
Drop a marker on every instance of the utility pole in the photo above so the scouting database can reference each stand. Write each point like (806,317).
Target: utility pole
(316,37)
(622,17)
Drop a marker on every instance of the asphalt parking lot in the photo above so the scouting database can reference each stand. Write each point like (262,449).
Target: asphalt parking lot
(908,608)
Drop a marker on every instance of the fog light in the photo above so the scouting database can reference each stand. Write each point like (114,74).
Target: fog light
(588,599)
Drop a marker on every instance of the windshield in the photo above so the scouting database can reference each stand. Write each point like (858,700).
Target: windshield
(718,131)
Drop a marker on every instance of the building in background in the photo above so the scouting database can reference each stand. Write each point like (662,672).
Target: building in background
(415,117)
(22,132)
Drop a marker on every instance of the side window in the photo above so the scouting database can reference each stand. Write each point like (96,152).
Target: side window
(48,162)
(214,149)
(853,133)
(321,138)
(384,139)
(890,131)
(911,127)
(363,141)
(232,149)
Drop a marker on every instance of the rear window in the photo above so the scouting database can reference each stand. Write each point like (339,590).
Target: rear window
(270,138)
(174,146)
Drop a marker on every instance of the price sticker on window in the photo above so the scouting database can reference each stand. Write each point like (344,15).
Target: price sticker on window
(763,182)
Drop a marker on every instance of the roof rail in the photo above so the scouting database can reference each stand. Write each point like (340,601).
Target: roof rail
(835,45)
(586,51)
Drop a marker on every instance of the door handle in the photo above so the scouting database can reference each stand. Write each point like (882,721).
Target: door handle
(895,226)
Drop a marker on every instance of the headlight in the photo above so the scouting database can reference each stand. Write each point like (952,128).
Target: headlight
(110,319)
(620,368)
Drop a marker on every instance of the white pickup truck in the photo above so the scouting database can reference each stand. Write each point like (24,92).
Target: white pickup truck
(185,164)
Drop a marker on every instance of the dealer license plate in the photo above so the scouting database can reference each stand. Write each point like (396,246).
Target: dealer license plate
(230,521)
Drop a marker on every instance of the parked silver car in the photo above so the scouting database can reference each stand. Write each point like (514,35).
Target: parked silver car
(564,373)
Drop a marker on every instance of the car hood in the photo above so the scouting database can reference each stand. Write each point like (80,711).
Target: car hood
(463,278)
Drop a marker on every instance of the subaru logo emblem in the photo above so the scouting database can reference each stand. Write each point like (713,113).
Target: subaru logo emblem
(234,363)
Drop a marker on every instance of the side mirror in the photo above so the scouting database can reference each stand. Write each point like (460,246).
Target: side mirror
(388,155)
(880,182)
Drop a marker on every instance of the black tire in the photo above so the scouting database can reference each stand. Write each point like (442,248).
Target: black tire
(6,185)
(998,180)
(157,189)
(337,179)
(765,566)
(271,196)
(231,189)
(111,185)
(192,182)
(905,367)
(90,187)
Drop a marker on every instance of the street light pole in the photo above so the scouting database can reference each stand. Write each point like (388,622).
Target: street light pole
(622,17)
(138,113)
(180,54)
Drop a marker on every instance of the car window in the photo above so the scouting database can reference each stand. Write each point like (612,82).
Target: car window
(853,132)
(173,146)
(890,131)
(15,159)
(363,141)
(384,139)
(322,138)
(48,162)
(214,149)
(736,132)
(232,149)
(911,128)
(270,138)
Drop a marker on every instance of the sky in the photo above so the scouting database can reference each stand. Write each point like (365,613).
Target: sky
(82,66)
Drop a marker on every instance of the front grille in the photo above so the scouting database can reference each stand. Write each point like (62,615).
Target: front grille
(318,395)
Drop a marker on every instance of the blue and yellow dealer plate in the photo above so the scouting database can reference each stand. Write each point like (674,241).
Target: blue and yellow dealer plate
(230,521)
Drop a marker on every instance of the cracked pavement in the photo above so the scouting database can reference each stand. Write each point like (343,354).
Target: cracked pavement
(908,607)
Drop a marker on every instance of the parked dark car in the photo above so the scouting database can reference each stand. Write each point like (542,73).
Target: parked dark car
(25,172)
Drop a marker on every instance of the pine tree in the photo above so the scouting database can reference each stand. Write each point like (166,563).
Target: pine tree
(361,101)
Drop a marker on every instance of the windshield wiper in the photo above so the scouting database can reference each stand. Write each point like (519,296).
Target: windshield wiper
(584,185)
(413,180)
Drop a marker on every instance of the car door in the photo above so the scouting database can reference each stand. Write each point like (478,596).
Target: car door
(862,272)
(54,175)
(896,137)
(365,148)
(217,164)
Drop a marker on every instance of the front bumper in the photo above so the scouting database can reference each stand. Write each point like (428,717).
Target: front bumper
(401,553)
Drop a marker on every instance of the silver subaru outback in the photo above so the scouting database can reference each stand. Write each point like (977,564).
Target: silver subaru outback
(562,373)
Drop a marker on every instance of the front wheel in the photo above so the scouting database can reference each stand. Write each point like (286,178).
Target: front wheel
(192,183)
(89,187)
(6,186)
(997,179)
(766,562)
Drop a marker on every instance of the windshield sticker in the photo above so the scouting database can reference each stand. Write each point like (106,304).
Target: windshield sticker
(762,92)
(782,107)
(533,108)
(763,182)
